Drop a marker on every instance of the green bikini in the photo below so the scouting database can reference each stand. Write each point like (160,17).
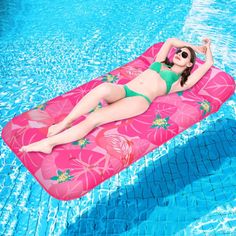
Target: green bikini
(167,75)
(131,93)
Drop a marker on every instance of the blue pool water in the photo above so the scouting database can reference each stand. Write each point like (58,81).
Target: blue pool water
(185,187)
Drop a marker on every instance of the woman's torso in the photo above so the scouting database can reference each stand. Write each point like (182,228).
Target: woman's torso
(149,83)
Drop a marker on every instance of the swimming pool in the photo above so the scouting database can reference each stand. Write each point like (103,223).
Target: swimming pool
(185,187)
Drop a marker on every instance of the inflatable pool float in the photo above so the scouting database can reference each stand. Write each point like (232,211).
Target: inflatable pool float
(73,169)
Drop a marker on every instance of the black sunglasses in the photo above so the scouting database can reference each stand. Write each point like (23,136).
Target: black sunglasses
(183,54)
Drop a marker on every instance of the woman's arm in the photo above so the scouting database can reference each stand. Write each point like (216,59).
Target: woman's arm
(209,58)
(205,49)
(165,48)
(174,42)
(179,43)
(202,69)
(163,52)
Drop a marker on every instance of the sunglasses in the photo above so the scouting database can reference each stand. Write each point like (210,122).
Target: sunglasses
(183,54)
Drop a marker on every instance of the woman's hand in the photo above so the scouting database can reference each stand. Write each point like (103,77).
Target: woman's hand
(200,49)
(203,48)
(207,43)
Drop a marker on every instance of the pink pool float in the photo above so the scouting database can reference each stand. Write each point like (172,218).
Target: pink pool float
(73,169)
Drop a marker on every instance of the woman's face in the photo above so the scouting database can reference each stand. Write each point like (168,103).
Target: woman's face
(180,60)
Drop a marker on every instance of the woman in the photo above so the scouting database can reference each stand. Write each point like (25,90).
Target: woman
(132,99)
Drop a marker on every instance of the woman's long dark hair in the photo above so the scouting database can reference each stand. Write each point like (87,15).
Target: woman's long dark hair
(187,71)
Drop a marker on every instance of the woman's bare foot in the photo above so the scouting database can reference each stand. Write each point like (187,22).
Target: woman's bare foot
(40,146)
(57,128)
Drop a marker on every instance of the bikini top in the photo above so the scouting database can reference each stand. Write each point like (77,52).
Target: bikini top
(167,75)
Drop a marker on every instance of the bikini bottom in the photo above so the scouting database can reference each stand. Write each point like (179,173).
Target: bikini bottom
(131,93)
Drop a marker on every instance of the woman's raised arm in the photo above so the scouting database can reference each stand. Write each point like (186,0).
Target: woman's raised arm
(163,52)
(199,49)
(202,69)
(209,58)
(174,42)
(179,43)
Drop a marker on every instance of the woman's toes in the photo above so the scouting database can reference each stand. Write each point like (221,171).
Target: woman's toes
(24,148)
(40,146)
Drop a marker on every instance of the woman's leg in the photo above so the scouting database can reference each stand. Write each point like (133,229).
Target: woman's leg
(72,134)
(108,91)
(122,109)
